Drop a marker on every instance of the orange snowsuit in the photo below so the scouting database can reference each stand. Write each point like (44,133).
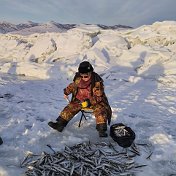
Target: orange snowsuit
(99,102)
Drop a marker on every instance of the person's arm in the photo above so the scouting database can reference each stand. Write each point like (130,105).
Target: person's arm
(69,89)
(99,89)
(98,92)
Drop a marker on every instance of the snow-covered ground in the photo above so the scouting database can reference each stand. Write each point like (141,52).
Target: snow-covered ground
(139,71)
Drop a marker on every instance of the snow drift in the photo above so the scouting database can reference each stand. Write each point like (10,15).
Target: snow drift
(139,49)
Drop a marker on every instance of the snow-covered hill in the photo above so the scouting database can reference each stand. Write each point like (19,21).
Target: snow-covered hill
(31,27)
(139,70)
(136,49)
(6,27)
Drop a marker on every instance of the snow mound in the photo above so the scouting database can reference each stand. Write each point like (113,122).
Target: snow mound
(146,48)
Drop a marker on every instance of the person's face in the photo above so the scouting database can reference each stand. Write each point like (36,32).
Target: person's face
(85,76)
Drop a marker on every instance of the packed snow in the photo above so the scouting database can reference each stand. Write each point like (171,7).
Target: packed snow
(139,71)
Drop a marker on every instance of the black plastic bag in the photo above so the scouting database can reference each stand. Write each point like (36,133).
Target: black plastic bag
(122,134)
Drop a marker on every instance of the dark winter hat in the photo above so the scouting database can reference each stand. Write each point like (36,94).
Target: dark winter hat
(85,67)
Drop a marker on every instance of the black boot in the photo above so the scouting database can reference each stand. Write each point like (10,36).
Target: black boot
(103,134)
(102,128)
(1,141)
(59,125)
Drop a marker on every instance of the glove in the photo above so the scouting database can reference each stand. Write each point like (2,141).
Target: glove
(86,103)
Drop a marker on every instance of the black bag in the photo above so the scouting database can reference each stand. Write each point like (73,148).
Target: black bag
(122,134)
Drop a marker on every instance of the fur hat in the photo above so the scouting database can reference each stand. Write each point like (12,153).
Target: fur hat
(85,67)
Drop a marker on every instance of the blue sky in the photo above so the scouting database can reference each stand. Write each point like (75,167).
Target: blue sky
(109,12)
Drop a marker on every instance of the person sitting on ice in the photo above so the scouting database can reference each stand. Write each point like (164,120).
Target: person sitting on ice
(87,90)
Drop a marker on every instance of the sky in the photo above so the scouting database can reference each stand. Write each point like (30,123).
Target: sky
(133,13)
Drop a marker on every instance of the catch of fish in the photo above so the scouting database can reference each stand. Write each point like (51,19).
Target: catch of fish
(121,131)
(85,159)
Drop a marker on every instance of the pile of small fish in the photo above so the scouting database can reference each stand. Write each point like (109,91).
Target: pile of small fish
(121,131)
(85,159)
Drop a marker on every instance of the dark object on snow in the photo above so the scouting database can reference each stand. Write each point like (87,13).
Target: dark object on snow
(7,96)
(102,128)
(122,134)
(1,141)
(59,125)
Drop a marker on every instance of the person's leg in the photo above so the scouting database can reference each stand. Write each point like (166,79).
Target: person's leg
(100,114)
(65,116)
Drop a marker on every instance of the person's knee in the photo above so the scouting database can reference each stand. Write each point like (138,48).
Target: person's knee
(66,115)
(101,118)
(69,112)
